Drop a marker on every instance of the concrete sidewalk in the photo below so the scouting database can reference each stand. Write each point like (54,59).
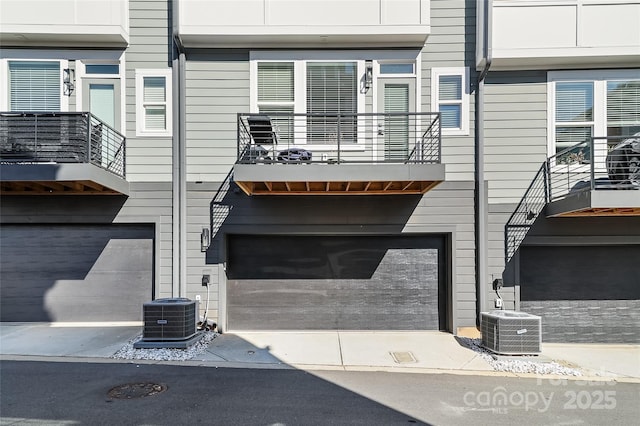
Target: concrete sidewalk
(347,350)
(344,350)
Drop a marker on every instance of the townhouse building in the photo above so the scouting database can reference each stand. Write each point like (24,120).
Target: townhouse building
(321,164)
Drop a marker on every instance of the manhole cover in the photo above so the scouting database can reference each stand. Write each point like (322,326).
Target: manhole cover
(136,390)
(403,357)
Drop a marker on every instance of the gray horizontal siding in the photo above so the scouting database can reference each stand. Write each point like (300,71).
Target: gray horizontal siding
(199,197)
(147,203)
(217,90)
(498,215)
(448,209)
(599,231)
(148,158)
(515,132)
(452,44)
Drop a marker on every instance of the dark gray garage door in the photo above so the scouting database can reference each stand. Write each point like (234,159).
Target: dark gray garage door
(336,283)
(587,294)
(75,272)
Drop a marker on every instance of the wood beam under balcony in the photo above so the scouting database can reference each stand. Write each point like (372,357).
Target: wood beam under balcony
(344,179)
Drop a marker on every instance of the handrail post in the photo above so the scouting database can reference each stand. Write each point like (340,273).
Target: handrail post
(338,135)
(88,118)
(506,243)
(439,138)
(124,157)
(592,163)
(545,182)
(238,137)
(548,180)
(35,139)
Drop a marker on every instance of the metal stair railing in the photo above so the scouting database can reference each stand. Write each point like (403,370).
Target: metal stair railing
(531,205)
(580,167)
(218,209)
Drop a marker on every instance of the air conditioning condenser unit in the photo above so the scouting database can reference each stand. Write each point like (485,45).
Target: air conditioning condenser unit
(511,332)
(169,322)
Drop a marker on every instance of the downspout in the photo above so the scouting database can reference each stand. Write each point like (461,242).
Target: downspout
(481,196)
(182,142)
(178,169)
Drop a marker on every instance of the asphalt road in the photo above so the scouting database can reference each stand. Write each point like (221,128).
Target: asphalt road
(67,393)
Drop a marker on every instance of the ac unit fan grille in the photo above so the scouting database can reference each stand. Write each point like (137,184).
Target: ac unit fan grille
(508,332)
(169,319)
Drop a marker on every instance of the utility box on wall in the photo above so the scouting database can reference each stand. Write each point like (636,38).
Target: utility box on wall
(511,332)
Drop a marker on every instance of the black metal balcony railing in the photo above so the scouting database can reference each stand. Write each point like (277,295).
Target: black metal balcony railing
(279,138)
(60,137)
(600,163)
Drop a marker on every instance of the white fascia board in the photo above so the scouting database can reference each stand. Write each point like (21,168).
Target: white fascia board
(77,36)
(532,59)
(301,36)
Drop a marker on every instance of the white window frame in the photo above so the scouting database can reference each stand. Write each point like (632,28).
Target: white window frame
(301,58)
(4,80)
(463,72)
(599,78)
(300,94)
(140,75)
(81,74)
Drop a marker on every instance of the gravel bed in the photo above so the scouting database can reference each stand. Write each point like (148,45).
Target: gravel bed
(516,365)
(128,352)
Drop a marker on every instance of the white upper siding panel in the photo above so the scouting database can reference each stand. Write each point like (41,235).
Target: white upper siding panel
(528,34)
(308,23)
(64,23)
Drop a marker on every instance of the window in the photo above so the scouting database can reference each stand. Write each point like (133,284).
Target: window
(323,89)
(397,68)
(331,90)
(276,95)
(592,103)
(450,97)
(574,115)
(153,102)
(623,107)
(102,69)
(34,85)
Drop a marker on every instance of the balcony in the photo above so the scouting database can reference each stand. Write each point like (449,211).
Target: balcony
(597,177)
(304,24)
(341,154)
(565,33)
(60,153)
(64,23)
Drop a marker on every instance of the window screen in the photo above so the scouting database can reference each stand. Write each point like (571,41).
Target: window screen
(154,102)
(34,86)
(623,108)
(276,96)
(396,135)
(331,90)
(574,102)
(574,118)
(275,82)
(450,99)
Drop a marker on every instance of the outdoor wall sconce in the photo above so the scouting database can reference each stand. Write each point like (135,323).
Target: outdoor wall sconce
(205,239)
(368,76)
(68,80)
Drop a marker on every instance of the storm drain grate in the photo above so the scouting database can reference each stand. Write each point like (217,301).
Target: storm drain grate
(403,357)
(136,390)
